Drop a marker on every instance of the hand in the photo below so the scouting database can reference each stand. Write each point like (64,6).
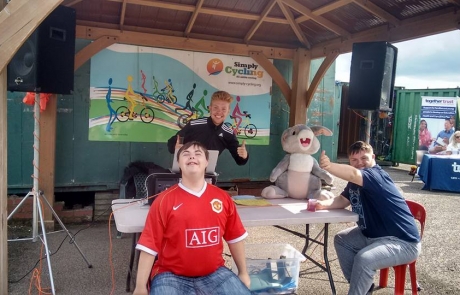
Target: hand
(244,277)
(324,161)
(178,144)
(439,148)
(141,291)
(241,150)
(446,140)
(320,205)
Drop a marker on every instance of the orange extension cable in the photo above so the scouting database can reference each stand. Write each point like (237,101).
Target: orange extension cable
(112,268)
(36,275)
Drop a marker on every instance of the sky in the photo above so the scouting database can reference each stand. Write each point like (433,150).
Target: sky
(428,62)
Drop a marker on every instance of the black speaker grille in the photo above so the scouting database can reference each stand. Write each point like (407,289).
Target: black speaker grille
(45,62)
(372,74)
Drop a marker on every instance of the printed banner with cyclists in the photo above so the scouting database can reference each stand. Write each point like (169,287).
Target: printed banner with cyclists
(143,94)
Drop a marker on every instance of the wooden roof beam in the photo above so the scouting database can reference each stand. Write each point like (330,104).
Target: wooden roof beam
(316,18)
(122,14)
(374,9)
(70,3)
(192,35)
(331,6)
(182,43)
(91,49)
(18,20)
(295,26)
(256,25)
(205,10)
(324,9)
(300,81)
(325,65)
(193,17)
(456,2)
(268,66)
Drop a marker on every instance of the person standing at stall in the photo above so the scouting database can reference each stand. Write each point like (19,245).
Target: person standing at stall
(212,132)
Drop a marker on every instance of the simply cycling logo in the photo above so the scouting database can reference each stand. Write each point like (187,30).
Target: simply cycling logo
(215,66)
(238,69)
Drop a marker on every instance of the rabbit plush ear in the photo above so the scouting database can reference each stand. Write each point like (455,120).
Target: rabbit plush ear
(320,130)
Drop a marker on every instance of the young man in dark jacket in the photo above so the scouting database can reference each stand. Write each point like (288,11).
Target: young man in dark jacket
(212,132)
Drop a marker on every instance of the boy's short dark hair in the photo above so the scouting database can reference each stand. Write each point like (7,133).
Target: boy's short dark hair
(193,143)
(360,146)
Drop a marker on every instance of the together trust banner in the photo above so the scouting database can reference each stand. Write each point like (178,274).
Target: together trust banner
(144,94)
(435,111)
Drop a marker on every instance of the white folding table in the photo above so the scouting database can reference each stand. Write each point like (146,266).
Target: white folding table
(130,218)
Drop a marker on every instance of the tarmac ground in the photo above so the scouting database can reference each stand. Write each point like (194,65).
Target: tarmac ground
(438,266)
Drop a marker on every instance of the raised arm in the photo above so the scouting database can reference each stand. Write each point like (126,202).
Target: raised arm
(173,142)
(343,171)
(235,150)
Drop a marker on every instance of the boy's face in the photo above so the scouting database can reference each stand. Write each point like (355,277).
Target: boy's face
(193,160)
(219,111)
(362,160)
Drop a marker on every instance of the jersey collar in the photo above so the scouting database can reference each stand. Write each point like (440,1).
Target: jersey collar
(196,194)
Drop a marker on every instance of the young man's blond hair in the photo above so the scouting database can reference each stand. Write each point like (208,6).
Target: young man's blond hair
(221,95)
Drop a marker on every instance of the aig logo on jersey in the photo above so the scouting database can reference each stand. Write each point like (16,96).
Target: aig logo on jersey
(202,237)
(216,205)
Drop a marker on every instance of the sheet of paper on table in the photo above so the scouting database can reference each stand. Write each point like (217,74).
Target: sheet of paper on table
(440,141)
(248,200)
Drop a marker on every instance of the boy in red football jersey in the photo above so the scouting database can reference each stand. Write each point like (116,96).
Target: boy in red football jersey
(185,227)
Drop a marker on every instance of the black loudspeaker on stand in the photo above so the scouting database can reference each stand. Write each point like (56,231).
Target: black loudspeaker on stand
(372,76)
(45,62)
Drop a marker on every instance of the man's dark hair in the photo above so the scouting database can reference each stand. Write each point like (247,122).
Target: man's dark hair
(360,146)
(193,143)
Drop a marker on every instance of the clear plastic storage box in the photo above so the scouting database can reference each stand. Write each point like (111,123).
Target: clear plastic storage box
(273,268)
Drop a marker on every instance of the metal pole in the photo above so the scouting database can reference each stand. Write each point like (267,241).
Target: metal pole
(36,163)
(37,203)
(368,126)
(45,242)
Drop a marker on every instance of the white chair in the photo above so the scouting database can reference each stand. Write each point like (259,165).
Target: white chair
(419,158)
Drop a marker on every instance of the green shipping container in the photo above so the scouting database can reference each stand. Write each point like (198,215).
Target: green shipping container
(407,120)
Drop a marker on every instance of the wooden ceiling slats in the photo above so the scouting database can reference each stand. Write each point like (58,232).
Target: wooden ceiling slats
(288,24)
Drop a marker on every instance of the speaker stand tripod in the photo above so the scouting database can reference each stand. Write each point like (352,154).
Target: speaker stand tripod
(38,200)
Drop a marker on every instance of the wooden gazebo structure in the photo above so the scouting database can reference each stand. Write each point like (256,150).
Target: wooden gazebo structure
(298,30)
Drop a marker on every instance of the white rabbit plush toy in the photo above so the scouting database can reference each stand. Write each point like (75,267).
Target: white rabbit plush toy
(298,175)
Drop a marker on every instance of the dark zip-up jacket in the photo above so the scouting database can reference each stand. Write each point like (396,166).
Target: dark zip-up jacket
(213,137)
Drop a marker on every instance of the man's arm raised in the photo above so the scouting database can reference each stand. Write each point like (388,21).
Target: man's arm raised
(345,172)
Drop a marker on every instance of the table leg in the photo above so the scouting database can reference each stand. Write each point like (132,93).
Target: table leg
(326,259)
(309,239)
(131,262)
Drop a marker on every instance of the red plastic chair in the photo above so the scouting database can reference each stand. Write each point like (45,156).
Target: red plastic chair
(400,270)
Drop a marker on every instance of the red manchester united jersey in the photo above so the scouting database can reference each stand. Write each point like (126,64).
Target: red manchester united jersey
(186,229)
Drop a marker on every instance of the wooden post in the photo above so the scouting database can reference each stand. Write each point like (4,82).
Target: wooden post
(327,62)
(3,188)
(47,155)
(14,31)
(300,81)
